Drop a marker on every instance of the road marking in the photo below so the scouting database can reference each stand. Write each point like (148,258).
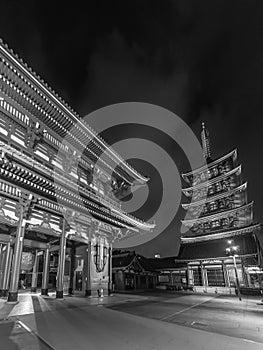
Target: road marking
(186,309)
(22,324)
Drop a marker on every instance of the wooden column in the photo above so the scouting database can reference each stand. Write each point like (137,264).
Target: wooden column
(110,270)
(61,261)
(189,277)
(72,268)
(7,269)
(226,278)
(2,258)
(204,276)
(245,277)
(35,274)
(147,281)
(25,205)
(88,271)
(45,276)
(171,278)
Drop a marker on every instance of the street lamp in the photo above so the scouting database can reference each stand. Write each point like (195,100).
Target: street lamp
(232,252)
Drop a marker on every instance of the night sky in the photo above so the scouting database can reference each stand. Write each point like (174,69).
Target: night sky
(203,60)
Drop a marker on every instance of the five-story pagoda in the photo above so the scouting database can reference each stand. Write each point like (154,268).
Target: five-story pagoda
(219,215)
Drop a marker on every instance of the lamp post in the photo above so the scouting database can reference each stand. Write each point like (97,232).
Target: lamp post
(232,252)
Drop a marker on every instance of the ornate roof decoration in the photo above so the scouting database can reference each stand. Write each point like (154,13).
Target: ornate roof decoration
(224,212)
(218,215)
(206,142)
(208,183)
(219,235)
(211,164)
(50,98)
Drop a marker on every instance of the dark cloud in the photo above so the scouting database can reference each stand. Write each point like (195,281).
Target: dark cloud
(200,59)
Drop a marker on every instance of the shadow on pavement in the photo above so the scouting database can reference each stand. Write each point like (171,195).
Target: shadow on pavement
(7,336)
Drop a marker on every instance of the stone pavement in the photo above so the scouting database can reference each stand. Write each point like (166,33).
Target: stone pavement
(15,334)
(33,302)
(41,323)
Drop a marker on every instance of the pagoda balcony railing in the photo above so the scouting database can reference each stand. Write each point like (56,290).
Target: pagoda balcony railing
(222,185)
(213,181)
(225,201)
(211,173)
(9,190)
(188,177)
(218,206)
(223,194)
(237,217)
(220,235)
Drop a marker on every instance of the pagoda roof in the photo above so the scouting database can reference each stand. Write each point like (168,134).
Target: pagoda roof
(126,259)
(123,260)
(211,164)
(215,197)
(217,215)
(215,248)
(220,235)
(65,117)
(214,180)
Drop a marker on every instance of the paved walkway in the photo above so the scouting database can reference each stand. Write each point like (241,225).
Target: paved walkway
(41,323)
(33,302)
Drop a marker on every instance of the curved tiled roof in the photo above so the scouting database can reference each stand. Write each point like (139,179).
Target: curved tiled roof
(70,114)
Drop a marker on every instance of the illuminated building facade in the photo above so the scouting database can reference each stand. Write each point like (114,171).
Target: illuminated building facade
(219,214)
(58,211)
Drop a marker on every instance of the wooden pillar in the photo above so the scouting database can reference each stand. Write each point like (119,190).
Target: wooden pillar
(45,276)
(26,204)
(204,276)
(237,280)
(61,261)
(110,270)
(226,277)
(7,269)
(88,271)
(135,280)
(2,259)
(13,291)
(72,268)
(189,276)
(35,274)
(244,273)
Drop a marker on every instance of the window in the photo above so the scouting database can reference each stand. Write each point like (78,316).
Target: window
(213,206)
(215,172)
(218,186)
(221,204)
(197,277)
(215,223)
(211,190)
(215,277)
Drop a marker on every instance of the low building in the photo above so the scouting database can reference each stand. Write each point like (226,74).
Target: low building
(131,271)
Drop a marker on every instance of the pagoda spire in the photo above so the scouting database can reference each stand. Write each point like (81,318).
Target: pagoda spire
(206,142)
